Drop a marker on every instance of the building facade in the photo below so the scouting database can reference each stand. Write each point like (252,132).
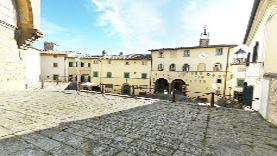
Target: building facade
(120,73)
(54,63)
(204,68)
(19,28)
(261,70)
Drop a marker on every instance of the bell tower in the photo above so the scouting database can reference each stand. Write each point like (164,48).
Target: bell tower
(204,39)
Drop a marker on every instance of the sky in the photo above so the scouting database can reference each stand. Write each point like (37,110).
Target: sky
(136,26)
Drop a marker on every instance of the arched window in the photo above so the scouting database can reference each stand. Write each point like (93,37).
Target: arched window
(201,67)
(160,67)
(255,52)
(186,67)
(217,67)
(172,67)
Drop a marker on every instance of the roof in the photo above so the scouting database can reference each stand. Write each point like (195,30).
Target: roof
(57,52)
(119,57)
(250,22)
(197,47)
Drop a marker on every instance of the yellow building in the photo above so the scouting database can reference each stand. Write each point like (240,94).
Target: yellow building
(118,72)
(204,68)
(261,71)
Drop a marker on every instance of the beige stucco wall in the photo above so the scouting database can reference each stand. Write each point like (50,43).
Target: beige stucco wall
(270,65)
(117,67)
(197,81)
(47,68)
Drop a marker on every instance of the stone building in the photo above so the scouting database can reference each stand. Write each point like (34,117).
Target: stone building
(19,28)
(118,72)
(261,70)
(204,68)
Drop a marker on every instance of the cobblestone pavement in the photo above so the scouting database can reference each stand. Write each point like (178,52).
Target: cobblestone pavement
(54,123)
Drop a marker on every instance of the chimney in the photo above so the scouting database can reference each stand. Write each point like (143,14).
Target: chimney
(121,53)
(50,46)
(104,53)
(204,39)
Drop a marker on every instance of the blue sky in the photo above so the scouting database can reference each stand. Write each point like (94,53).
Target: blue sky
(135,26)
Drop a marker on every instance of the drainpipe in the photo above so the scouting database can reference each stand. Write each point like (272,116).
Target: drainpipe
(226,72)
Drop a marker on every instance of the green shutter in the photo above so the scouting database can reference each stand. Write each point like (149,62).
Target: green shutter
(82,64)
(82,78)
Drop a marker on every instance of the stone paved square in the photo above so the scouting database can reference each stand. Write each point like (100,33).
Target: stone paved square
(55,123)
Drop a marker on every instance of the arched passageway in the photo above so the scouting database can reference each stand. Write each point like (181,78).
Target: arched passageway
(161,85)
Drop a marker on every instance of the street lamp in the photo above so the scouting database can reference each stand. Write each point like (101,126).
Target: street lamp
(77,59)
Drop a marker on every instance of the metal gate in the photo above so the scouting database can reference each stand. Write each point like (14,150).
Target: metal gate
(247,95)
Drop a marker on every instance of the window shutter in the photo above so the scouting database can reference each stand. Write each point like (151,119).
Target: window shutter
(82,64)
(88,64)
(88,78)
(82,78)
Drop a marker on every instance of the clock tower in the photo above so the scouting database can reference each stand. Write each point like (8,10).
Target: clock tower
(204,39)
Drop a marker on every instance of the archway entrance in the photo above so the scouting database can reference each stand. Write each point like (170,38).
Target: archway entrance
(126,89)
(161,85)
(178,84)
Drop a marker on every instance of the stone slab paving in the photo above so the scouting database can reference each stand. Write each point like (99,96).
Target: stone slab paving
(35,123)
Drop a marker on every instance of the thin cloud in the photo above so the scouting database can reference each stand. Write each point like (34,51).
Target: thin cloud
(136,22)
(227,20)
(49,27)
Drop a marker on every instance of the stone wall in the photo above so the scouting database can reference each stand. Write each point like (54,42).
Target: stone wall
(13,60)
(272,102)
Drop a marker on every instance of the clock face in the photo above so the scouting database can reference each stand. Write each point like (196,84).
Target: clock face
(202,55)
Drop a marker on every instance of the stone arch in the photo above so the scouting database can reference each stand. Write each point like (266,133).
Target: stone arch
(26,33)
(177,84)
(161,85)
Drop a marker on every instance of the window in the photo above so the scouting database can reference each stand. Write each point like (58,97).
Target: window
(143,75)
(186,67)
(55,65)
(240,82)
(95,74)
(219,51)
(72,64)
(172,67)
(109,85)
(109,74)
(255,52)
(55,56)
(143,86)
(218,81)
(160,67)
(161,54)
(109,62)
(201,67)
(217,67)
(85,64)
(95,62)
(85,78)
(126,75)
(186,53)
(144,63)
(55,77)
(127,63)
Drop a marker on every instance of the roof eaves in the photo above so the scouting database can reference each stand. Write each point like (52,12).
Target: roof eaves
(251,19)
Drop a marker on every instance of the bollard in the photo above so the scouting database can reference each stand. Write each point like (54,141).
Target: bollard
(173,96)
(42,84)
(57,78)
(133,92)
(212,99)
